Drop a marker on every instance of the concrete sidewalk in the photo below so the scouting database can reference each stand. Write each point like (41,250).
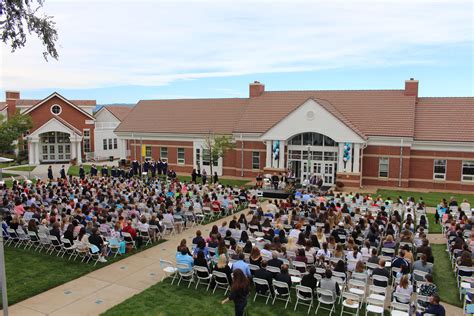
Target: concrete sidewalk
(104,288)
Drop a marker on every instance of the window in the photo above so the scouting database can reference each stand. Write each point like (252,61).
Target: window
(56,109)
(147,151)
(206,158)
(115,143)
(180,156)
(467,172)
(86,133)
(255,160)
(383,167)
(164,153)
(439,170)
(198,158)
(110,143)
(104,143)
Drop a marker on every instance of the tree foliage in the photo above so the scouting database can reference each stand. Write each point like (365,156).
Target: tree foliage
(217,146)
(12,129)
(19,17)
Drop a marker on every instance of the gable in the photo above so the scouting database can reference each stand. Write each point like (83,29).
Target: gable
(104,115)
(312,117)
(56,125)
(58,99)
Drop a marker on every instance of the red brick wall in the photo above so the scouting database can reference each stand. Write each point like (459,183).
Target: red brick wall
(233,159)
(76,118)
(417,169)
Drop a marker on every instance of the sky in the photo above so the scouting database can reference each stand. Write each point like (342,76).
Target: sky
(125,51)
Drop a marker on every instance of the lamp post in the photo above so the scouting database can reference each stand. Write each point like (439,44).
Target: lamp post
(3,278)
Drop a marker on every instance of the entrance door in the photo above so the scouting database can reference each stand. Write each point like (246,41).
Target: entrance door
(55,147)
(329,173)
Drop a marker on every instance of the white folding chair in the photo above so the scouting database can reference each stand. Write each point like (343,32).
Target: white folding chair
(221,281)
(374,306)
(264,289)
(350,301)
(202,275)
(282,292)
(186,276)
(169,269)
(325,297)
(304,296)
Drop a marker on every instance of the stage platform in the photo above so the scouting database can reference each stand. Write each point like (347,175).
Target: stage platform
(275,194)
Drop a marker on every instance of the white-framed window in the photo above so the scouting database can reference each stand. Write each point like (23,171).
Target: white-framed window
(148,151)
(206,158)
(255,160)
(110,143)
(181,159)
(86,133)
(115,143)
(104,143)
(467,171)
(439,169)
(164,153)
(383,167)
(56,109)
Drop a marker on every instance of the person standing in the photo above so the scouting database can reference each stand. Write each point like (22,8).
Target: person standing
(239,292)
(50,173)
(216,178)
(62,173)
(204,177)
(193,176)
(275,181)
(82,173)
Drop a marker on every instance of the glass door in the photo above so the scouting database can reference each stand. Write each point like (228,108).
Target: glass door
(329,173)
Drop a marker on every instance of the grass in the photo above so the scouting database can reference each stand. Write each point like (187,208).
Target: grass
(23,168)
(74,170)
(6,164)
(166,299)
(434,228)
(30,273)
(444,277)
(8,175)
(430,198)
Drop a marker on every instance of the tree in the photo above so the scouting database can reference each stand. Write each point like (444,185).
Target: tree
(20,16)
(12,129)
(217,146)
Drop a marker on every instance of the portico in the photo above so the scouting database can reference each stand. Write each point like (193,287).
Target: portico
(314,139)
(55,141)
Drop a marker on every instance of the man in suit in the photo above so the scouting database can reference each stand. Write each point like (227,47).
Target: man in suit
(62,173)
(105,171)
(275,181)
(159,167)
(264,274)
(50,173)
(113,172)
(153,169)
(165,167)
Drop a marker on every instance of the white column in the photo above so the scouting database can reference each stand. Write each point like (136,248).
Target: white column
(356,158)
(123,148)
(79,152)
(340,155)
(37,152)
(269,154)
(31,153)
(281,161)
(73,149)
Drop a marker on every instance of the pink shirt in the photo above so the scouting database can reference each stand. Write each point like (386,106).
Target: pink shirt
(19,209)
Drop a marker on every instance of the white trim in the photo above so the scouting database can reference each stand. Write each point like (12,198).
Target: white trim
(161,136)
(321,121)
(389,141)
(53,125)
(443,146)
(55,94)
(60,109)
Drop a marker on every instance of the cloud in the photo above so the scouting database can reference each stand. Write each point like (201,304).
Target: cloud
(110,43)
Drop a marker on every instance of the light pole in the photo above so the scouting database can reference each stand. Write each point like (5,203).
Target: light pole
(3,278)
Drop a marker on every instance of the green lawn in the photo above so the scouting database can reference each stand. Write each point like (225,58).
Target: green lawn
(444,277)
(430,198)
(6,164)
(8,175)
(23,168)
(433,228)
(74,170)
(30,273)
(166,299)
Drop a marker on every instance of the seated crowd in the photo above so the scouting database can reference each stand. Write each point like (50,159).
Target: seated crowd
(105,212)
(342,243)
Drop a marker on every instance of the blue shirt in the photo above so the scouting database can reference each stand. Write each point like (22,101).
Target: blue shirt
(186,260)
(242,265)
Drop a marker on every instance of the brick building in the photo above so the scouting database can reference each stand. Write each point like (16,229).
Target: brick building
(388,137)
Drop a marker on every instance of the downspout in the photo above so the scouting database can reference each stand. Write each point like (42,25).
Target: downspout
(242,156)
(401,163)
(134,147)
(361,163)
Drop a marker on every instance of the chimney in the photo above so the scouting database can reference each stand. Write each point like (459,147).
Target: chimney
(411,87)
(256,89)
(11,98)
